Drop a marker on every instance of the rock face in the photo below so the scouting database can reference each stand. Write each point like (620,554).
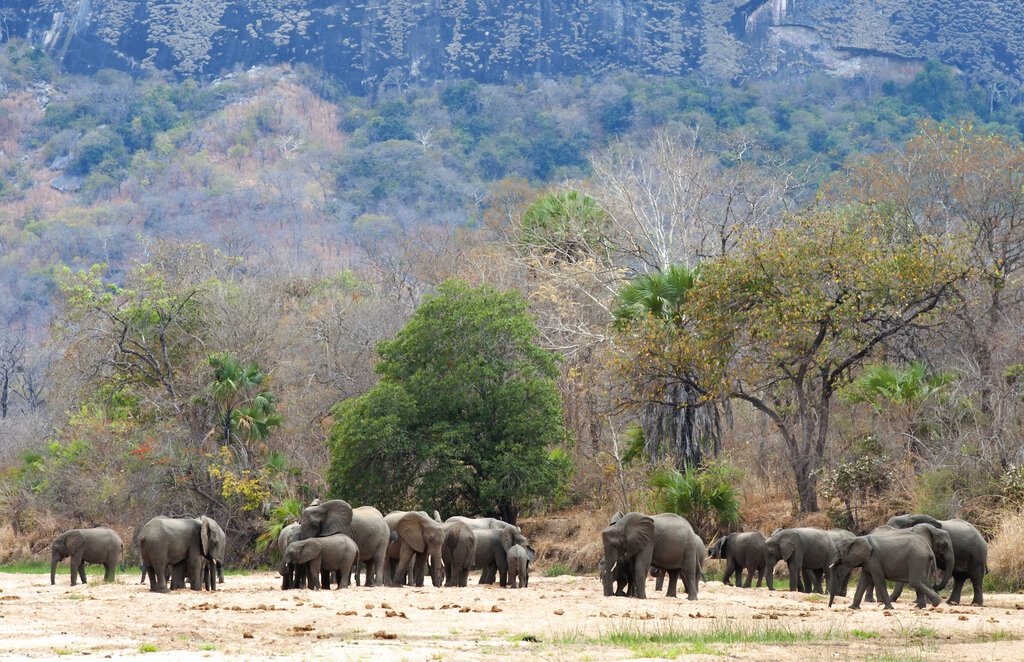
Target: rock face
(366,43)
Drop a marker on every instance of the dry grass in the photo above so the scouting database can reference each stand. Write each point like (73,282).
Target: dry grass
(1005,561)
(571,538)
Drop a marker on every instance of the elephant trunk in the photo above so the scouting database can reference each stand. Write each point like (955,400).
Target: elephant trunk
(769,572)
(947,569)
(54,560)
(834,572)
(608,577)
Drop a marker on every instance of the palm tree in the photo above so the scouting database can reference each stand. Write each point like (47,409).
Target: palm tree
(706,498)
(247,413)
(680,424)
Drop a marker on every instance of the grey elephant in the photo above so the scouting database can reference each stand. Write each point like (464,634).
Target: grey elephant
(364,525)
(417,547)
(908,559)
(492,547)
(479,522)
(808,552)
(458,552)
(287,535)
(741,551)
(942,547)
(98,545)
(665,541)
(970,552)
(314,561)
(518,567)
(184,544)
(841,582)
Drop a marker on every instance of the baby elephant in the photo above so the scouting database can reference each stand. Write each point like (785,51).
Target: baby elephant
(313,560)
(98,545)
(518,567)
(741,551)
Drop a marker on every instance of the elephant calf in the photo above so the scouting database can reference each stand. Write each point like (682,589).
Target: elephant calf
(518,567)
(741,551)
(315,559)
(98,545)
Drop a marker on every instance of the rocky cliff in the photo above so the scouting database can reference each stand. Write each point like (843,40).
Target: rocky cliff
(366,43)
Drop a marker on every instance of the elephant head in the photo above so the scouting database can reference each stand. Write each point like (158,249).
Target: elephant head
(776,549)
(325,519)
(942,546)
(909,521)
(424,536)
(510,536)
(214,545)
(719,548)
(623,540)
(296,554)
(64,545)
(850,554)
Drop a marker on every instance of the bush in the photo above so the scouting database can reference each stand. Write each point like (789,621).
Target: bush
(1006,563)
(706,497)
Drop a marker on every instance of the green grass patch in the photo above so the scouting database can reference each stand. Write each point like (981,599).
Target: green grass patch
(923,633)
(207,647)
(894,657)
(558,570)
(997,635)
(148,648)
(33,568)
(864,634)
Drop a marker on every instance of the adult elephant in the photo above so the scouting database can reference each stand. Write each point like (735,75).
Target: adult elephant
(665,541)
(908,559)
(186,544)
(364,525)
(942,547)
(970,552)
(458,552)
(213,568)
(418,544)
(478,523)
(808,552)
(741,551)
(287,535)
(98,545)
(492,547)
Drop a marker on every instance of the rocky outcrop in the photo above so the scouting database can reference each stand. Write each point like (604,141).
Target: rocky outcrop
(368,43)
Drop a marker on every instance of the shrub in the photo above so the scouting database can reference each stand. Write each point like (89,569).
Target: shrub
(705,497)
(1006,564)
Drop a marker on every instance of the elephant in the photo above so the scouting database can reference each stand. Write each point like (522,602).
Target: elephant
(809,552)
(492,547)
(908,559)
(942,547)
(184,544)
(970,552)
(98,545)
(458,552)
(315,559)
(364,525)
(665,541)
(841,582)
(419,543)
(287,535)
(741,551)
(518,567)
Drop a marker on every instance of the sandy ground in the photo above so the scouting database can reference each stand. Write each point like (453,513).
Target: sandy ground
(555,618)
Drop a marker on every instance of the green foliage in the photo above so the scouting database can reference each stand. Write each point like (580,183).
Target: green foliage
(557,570)
(706,497)
(467,412)
(284,513)
(896,385)
(659,295)
(866,471)
(568,225)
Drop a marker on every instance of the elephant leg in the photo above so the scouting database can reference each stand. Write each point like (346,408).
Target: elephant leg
(730,568)
(977,575)
(639,579)
(897,591)
(76,562)
(819,576)
(405,558)
(881,590)
(750,578)
(673,578)
(502,570)
(689,581)
(795,565)
(313,573)
(958,584)
(925,592)
(659,581)
(158,577)
(421,569)
(108,571)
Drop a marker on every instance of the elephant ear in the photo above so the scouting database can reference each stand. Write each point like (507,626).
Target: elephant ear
(858,551)
(639,534)
(204,534)
(338,517)
(410,532)
(437,517)
(308,550)
(530,554)
(73,541)
(617,516)
(507,538)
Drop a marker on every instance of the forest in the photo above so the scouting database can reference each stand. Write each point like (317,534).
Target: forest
(763,301)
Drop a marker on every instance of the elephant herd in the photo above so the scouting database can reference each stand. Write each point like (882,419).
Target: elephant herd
(331,542)
(334,541)
(907,550)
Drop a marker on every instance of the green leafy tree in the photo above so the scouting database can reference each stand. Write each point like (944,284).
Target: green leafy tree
(882,384)
(247,411)
(705,497)
(567,225)
(467,415)
(790,317)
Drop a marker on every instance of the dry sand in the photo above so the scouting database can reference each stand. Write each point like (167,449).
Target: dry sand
(559,618)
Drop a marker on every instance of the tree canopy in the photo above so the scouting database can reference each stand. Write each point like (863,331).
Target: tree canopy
(467,416)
